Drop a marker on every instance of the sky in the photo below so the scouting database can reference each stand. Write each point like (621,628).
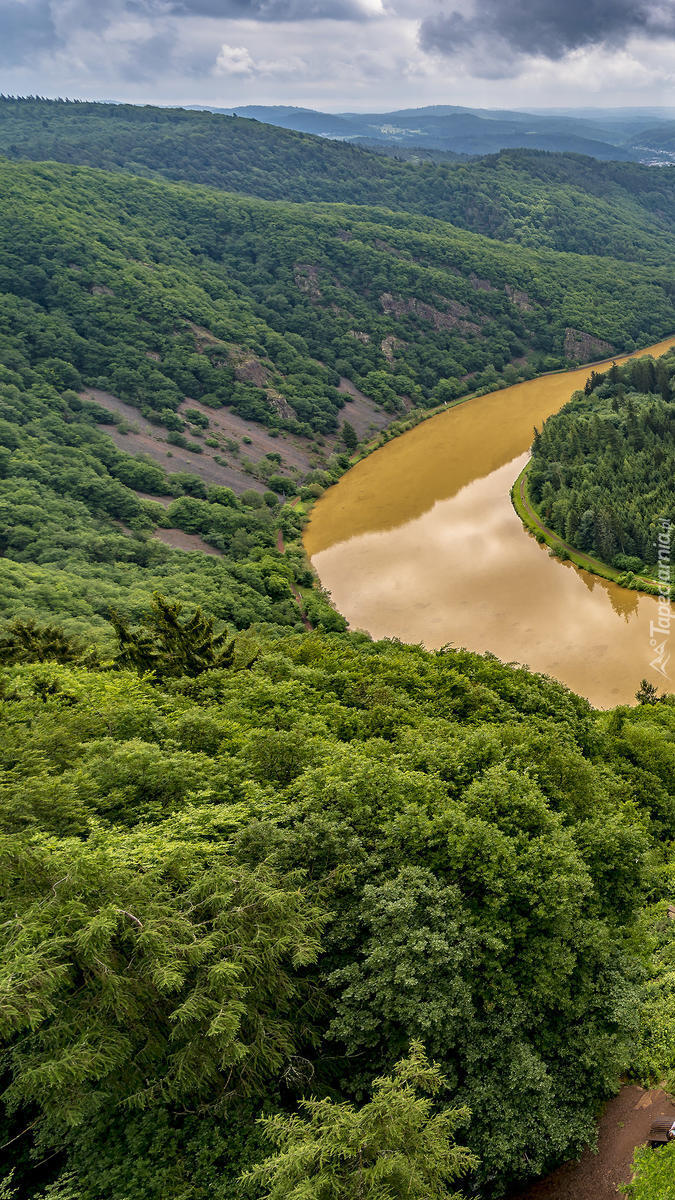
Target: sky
(341,55)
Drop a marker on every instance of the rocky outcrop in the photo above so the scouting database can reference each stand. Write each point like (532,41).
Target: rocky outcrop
(454,316)
(520,299)
(389,346)
(307,280)
(203,337)
(583,347)
(360,336)
(251,370)
(387,248)
(480,285)
(280,404)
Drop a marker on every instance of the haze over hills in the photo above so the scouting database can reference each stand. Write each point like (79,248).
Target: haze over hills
(622,134)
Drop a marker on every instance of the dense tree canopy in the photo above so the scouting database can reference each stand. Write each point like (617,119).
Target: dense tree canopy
(561,201)
(603,467)
(393,1148)
(211,907)
(156,292)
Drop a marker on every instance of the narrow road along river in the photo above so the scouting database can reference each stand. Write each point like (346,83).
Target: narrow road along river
(420,542)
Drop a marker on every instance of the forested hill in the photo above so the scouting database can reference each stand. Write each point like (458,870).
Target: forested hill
(567,202)
(603,468)
(195,319)
(107,276)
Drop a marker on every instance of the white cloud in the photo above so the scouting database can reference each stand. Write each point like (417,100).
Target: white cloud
(234,60)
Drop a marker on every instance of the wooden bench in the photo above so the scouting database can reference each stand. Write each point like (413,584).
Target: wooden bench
(661,1132)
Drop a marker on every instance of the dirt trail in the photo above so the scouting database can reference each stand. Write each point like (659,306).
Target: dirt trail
(624,1125)
(296,594)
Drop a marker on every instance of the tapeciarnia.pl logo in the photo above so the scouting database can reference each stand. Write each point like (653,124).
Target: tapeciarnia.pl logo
(659,630)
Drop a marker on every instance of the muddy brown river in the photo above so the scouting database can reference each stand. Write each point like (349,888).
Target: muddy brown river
(420,542)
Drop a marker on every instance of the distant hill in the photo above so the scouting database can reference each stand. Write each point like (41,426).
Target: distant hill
(564,202)
(657,143)
(465,130)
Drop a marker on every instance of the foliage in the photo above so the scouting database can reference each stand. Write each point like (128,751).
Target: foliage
(154,293)
(393,1148)
(138,971)
(173,848)
(77,538)
(166,645)
(648,693)
(228,890)
(603,467)
(654,1174)
(26,641)
(561,201)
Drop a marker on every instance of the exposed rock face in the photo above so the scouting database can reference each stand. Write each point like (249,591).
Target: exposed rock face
(251,370)
(389,345)
(100,289)
(453,317)
(360,336)
(389,249)
(307,279)
(280,404)
(520,299)
(480,285)
(585,347)
(203,337)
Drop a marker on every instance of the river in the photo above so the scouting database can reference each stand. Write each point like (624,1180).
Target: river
(420,541)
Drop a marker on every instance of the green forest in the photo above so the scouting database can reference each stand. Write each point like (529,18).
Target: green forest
(229,889)
(560,201)
(289,914)
(107,275)
(603,467)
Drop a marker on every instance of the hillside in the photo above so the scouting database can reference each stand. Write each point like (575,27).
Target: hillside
(156,292)
(565,202)
(250,858)
(226,340)
(456,129)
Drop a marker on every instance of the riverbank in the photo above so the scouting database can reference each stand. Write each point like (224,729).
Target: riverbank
(420,541)
(418,416)
(530,518)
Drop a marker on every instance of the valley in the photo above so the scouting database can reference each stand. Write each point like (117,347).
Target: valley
(336,852)
(420,542)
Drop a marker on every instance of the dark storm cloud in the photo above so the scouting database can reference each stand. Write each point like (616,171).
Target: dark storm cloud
(258,10)
(548,27)
(26,29)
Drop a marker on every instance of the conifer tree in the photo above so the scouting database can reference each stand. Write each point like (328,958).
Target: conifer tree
(168,645)
(394,1147)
